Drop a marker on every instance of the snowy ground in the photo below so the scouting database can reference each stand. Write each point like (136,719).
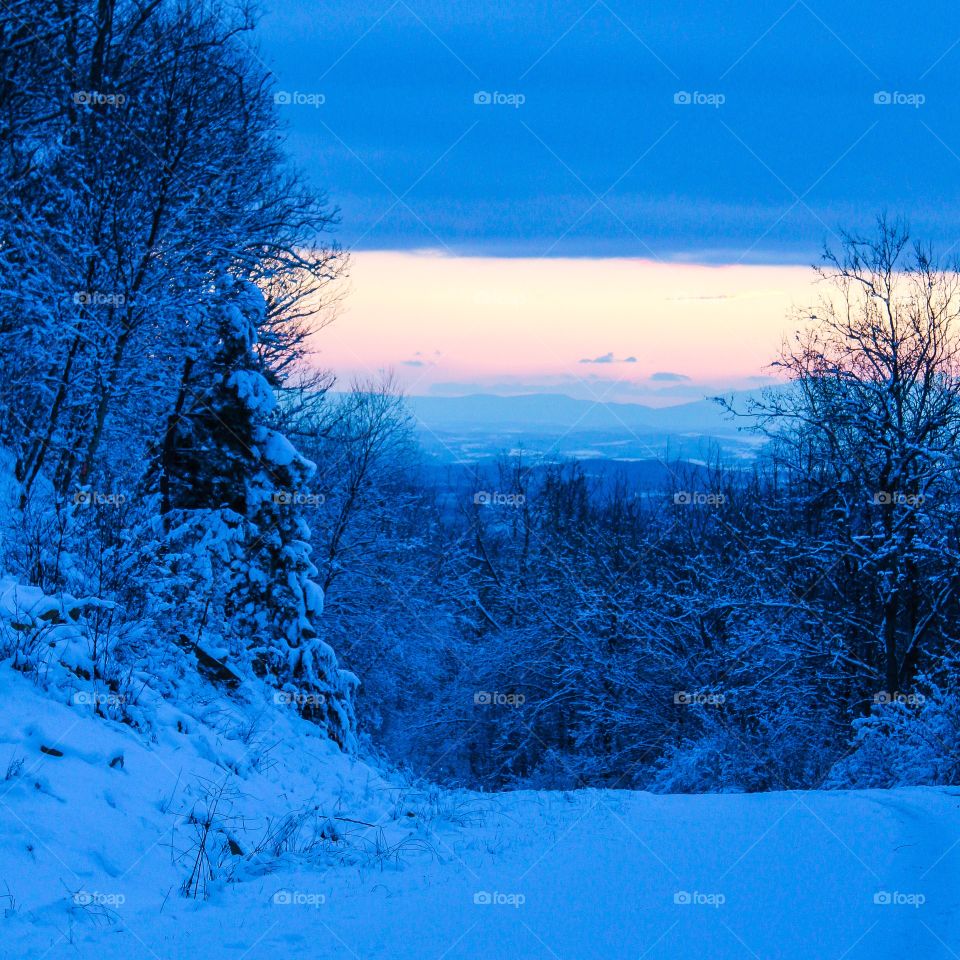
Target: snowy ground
(90,862)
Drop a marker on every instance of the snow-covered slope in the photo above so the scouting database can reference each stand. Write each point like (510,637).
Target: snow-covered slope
(322,856)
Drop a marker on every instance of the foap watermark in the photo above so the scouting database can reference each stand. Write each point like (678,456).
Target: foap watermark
(487,698)
(93,498)
(483,98)
(487,898)
(907,699)
(884,497)
(683,698)
(298,498)
(97,298)
(687,98)
(285,698)
(298,898)
(699,499)
(96,98)
(886,98)
(896,898)
(297,98)
(94,898)
(697,898)
(91,698)
(486,498)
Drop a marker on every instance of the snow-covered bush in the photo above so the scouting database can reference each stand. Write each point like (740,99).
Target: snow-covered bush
(912,740)
(66,645)
(783,749)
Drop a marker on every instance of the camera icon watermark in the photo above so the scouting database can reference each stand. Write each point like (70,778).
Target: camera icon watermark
(699,499)
(297,98)
(92,698)
(686,98)
(284,698)
(483,98)
(907,699)
(885,98)
(486,898)
(486,498)
(88,498)
(93,898)
(94,98)
(298,498)
(683,698)
(495,699)
(96,298)
(298,898)
(684,898)
(885,497)
(895,898)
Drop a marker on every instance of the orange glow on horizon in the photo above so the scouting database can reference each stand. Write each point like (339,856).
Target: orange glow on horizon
(489,322)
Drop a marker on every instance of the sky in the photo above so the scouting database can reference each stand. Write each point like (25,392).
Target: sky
(601,329)
(474,137)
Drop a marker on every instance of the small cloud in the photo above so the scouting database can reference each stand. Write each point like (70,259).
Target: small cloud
(421,359)
(665,376)
(608,358)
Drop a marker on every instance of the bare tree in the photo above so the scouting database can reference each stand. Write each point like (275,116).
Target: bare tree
(869,431)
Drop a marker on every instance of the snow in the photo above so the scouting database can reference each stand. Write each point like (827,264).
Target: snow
(313,598)
(277,449)
(25,604)
(378,868)
(253,390)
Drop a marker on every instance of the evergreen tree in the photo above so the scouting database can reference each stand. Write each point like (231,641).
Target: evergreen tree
(232,487)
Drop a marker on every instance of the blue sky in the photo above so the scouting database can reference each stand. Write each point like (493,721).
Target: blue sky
(599,160)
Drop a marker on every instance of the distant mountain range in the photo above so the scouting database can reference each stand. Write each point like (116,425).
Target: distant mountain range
(480,426)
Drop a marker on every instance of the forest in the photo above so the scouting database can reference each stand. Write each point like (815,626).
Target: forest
(213,547)
(173,451)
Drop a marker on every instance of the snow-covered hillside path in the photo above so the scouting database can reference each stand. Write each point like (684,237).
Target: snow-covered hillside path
(593,874)
(96,840)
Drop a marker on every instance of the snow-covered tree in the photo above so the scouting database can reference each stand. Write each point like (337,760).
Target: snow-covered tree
(868,437)
(233,487)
